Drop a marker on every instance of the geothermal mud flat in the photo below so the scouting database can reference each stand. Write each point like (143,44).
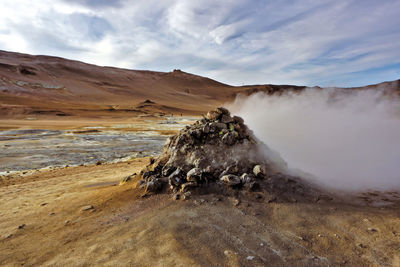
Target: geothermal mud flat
(32,149)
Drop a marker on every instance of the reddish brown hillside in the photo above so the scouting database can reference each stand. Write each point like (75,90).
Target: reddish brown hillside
(51,84)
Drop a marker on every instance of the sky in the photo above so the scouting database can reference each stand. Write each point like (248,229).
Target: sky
(308,42)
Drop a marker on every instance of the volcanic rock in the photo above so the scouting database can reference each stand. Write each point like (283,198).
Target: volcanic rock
(238,120)
(206,129)
(230,138)
(194,175)
(231,179)
(187,186)
(217,126)
(248,181)
(213,115)
(259,171)
(226,119)
(220,150)
(154,185)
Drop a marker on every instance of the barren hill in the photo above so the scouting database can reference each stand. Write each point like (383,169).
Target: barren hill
(46,85)
(68,86)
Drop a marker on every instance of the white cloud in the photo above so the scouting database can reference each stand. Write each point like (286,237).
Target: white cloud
(301,42)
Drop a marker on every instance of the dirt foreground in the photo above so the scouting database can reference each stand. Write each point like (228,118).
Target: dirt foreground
(82,216)
(79,216)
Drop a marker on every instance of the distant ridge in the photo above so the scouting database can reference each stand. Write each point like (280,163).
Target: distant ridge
(54,85)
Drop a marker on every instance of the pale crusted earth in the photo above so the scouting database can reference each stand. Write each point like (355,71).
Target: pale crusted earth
(123,229)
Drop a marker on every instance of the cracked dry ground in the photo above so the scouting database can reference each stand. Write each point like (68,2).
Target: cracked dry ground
(123,229)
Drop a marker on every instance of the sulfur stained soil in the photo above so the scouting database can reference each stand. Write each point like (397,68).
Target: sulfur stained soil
(123,229)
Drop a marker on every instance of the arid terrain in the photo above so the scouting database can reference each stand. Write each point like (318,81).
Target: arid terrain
(42,223)
(70,132)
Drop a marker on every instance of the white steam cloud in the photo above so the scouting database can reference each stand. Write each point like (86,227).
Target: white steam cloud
(348,140)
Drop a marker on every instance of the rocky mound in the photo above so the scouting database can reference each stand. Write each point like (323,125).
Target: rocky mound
(220,153)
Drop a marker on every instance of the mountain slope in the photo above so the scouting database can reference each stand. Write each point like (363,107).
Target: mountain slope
(28,80)
(45,85)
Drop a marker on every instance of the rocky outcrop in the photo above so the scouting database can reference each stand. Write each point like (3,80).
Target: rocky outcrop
(218,150)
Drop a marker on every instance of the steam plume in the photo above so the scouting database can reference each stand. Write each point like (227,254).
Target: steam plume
(347,140)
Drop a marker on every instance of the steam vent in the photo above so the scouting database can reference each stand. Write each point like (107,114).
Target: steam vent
(220,154)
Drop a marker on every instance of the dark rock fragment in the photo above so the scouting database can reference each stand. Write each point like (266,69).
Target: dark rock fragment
(223,111)
(230,179)
(154,185)
(259,171)
(217,126)
(206,129)
(213,115)
(167,170)
(237,119)
(187,186)
(226,119)
(194,175)
(230,138)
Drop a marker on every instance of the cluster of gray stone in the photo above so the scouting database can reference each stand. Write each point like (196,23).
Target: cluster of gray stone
(219,154)
(216,149)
